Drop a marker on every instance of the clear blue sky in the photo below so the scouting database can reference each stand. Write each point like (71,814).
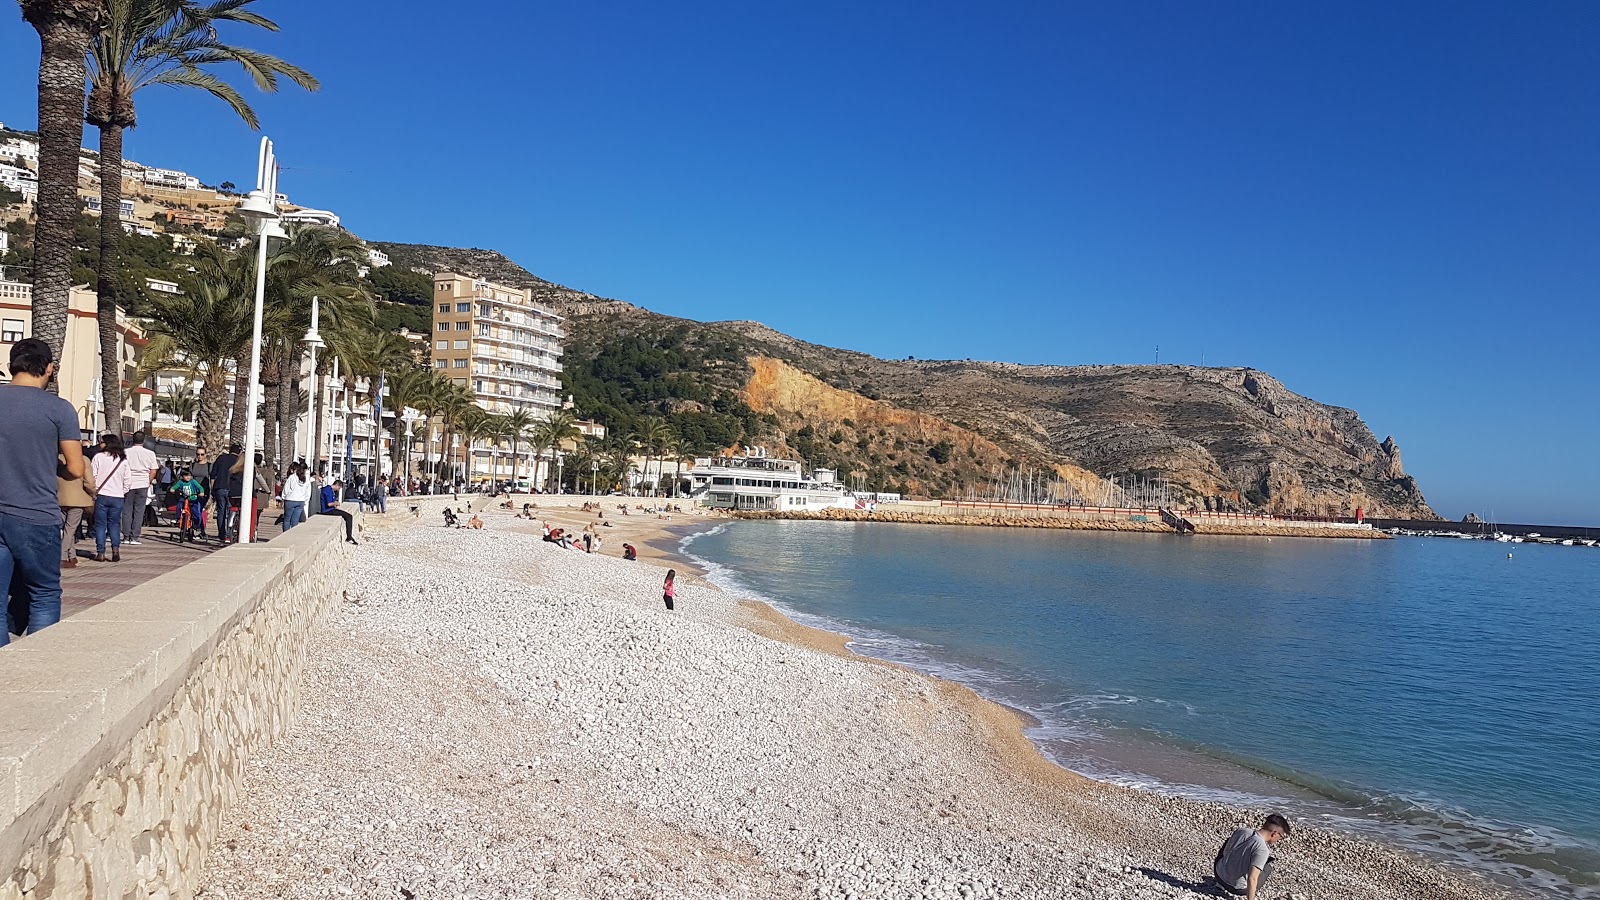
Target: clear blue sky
(1389,206)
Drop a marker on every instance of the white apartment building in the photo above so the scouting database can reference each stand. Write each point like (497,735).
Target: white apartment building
(320,217)
(170,178)
(20,148)
(21,180)
(377,258)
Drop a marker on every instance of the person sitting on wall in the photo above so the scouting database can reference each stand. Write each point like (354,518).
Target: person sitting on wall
(330,507)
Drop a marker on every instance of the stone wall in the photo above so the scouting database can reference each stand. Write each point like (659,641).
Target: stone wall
(127,726)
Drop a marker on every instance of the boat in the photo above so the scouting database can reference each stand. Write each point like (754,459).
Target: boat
(760,483)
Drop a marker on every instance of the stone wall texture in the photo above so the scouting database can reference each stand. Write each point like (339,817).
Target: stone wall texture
(127,726)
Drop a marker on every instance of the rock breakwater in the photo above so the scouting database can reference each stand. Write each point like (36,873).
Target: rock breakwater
(1068,521)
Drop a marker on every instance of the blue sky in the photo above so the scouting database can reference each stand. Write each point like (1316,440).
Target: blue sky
(1389,206)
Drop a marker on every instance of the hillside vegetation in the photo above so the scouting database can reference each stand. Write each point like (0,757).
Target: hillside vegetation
(1224,438)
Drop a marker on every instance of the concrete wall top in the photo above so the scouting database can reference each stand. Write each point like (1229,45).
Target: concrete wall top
(73,694)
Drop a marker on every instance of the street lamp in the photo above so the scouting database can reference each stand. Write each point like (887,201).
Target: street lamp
(260,207)
(561,468)
(594,476)
(313,341)
(410,417)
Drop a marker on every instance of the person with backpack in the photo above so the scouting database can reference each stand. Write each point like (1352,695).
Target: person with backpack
(1244,863)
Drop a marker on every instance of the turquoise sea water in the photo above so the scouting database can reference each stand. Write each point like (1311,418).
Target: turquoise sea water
(1427,691)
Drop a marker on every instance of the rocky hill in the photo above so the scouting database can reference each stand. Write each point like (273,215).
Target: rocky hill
(1226,438)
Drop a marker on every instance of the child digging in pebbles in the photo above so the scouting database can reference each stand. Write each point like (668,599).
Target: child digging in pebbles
(667,590)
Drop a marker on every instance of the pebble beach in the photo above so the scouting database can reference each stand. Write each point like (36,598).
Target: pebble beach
(491,716)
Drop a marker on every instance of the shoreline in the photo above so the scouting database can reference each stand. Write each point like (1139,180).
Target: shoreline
(617,750)
(1007,727)
(1203,528)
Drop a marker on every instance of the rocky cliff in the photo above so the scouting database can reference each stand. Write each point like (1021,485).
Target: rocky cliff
(1220,437)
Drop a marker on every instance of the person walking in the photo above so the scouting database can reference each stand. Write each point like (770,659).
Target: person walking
(143,469)
(225,485)
(76,498)
(296,494)
(1244,863)
(112,480)
(330,507)
(668,590)
(40,436)
(380,495)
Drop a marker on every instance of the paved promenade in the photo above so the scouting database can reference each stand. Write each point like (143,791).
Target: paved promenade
(92,583)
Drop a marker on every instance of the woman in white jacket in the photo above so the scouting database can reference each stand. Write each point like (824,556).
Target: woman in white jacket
(296,493)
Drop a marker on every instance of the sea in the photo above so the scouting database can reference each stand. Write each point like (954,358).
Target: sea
(1439,694)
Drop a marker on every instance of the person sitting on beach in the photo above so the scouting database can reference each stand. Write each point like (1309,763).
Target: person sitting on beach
(506,505)
(475,522)
(628,552)
(1244,863)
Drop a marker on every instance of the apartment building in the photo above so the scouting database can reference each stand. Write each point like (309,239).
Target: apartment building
(497,341)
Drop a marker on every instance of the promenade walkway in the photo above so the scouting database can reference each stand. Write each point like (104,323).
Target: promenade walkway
(92,583)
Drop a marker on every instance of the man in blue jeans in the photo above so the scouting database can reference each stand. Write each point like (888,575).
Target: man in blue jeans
(39,441)
(226,484)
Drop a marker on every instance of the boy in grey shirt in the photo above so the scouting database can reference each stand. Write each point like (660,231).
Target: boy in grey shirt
(1244,863)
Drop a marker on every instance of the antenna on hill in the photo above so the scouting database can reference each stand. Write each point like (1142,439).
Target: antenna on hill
(1158,354)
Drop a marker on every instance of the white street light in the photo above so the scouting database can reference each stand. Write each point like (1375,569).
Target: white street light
(410,417)
(261,207)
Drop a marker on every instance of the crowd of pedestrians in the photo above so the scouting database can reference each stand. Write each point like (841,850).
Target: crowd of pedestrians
(109,490)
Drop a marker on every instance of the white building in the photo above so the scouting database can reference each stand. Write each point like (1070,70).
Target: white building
(20,148)
(320,217)
(377,258)
(171,178)
(162,286)
(21,180)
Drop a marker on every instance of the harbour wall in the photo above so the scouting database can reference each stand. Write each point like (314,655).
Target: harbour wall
(1078,518)
(128,725)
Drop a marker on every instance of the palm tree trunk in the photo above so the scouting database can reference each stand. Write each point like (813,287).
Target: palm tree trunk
(64,27)
(106,283)
(317,381)
(289,407)
(213,413)
(239,419)
(272,385)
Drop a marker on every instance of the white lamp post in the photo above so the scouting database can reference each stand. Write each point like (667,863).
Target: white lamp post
(262,207)
(410,417)
(313,341)
(594,476)
(561,468)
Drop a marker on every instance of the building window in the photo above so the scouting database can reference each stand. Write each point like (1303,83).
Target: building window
(444,326)
(462,345)
(444,307)
(11,331)
(461,364)
(463,326)
(441,363)
(463,307)
(441,345)
(444,287)
(483,329)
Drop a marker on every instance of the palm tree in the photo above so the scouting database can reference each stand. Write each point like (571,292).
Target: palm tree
(159,42)
(201,330)
(65,29)
(368,354)
(314,262)
(515,425)
(558,427)
(654,433)
(180,405)
(472,425)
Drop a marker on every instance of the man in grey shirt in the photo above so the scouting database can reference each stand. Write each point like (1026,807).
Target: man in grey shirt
(40,439)
(1244,863)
